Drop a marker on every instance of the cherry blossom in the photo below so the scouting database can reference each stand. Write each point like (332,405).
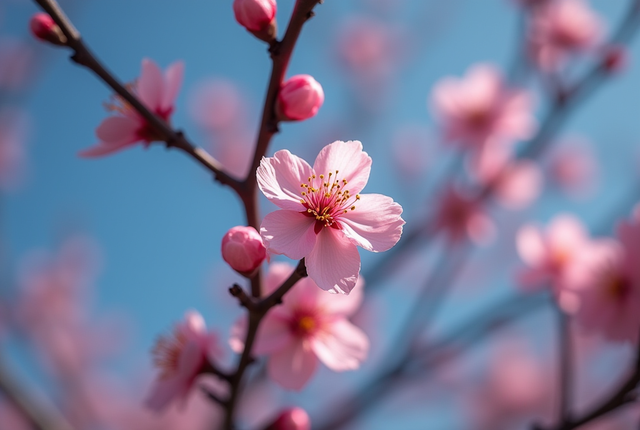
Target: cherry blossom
(126,127)
(323,218)
(180,358)
(461,216)
(480,108)
(310,325)
(243,250)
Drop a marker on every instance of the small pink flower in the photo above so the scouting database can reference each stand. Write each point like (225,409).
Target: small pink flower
(607,283)
(126,127)
(43,27)
(255,15)
(481,109)
(180,358)
(563,28)
(549,253)
(574,168)
(310,325)
(299,98)
(243,250)
(292,419)
(460,216)
(323,218)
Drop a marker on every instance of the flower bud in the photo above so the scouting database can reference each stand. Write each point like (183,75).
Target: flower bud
(300,98)
(43,27)
(258,17)
(291,419)
(243,250)
(614,58)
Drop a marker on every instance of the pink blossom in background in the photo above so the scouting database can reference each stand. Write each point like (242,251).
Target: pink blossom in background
(292,419)
(243,250)
(461,217)
(516,391)
(14,125)
(323,218)
(16,63)
(561,29)
(217,105)
(549,254)
(180,358)
(607,283)
(574,168)
(516,183)
(300,97)
(310,325)
(481,108)
(126,127)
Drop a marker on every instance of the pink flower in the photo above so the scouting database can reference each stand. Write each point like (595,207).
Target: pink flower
(126,127)
(460,216)
(43,27)
(607,283)
(292,419)
(255,15)
(574,168)
(299,98)
(243,250)
(181,357)
(323,218)
(563,28)
(310,325)
(549,253)
(481,109)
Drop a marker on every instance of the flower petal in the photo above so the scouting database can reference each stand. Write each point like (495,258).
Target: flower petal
(341,304)
(102,149)
(531,245)
(162,393)
(274,333)
(334,262)
(279,178)
(150,85)
(289,233)
(115,129)
(278,273)
(343,348)
(353,164)
(172,82)
(375,224)
(293,366)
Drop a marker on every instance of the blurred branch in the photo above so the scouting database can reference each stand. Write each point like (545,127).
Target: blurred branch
(38,416)
(565,357)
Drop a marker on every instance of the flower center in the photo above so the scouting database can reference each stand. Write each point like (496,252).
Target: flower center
(616,287)
(326,199)
(117,104)
(166,353)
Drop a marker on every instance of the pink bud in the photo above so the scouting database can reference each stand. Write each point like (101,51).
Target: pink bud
(43,27)
(291,419)
(614,58)
(243,250)
(257,16)
(300,98)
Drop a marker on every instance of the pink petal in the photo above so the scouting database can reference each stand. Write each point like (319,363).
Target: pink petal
(334,263)
(289,233)
(273,335)
(566,232)
(151,85)
(116,129)
(342,304)
(531,246)
(293,366)
(172,81)
(238,334)
(444,100)
(162,393)
(375,224)
(353,164)
(521,185)
(279,178)
(343,348)
(102,149)
(189,361)
(276,275)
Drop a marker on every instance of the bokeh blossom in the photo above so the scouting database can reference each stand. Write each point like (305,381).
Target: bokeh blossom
(323,218)
(157,92)
(310,326)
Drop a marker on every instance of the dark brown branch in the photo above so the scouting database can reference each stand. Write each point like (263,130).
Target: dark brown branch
(174,139)
(37,415)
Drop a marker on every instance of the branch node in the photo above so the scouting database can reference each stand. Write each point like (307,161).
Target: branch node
(310,15)
(246,301)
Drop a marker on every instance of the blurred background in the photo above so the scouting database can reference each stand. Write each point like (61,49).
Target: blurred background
(138,233)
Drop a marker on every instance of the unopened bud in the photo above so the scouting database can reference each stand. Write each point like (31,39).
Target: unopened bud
(291,419)
(243,250)
(257,16)
(300,98)
(43,27)
(614,58)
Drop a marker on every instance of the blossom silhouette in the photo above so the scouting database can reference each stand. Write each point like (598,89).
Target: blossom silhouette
(310,325)
(323,218)
(126,127)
